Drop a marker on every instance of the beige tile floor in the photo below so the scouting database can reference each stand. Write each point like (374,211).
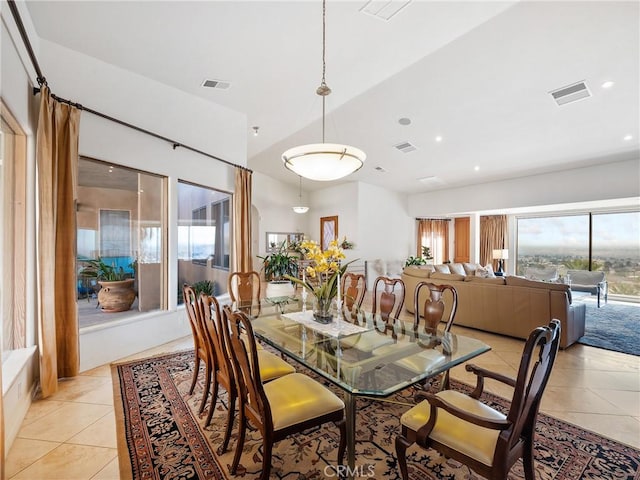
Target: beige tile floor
(71,435)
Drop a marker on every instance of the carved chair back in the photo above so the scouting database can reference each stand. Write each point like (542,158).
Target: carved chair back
(434,306)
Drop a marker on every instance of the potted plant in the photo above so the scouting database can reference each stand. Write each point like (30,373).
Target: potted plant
(117,292)
(277,266)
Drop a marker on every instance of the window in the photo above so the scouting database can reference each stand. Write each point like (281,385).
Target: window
(204,238)
(12,239)
(589,241)
(121,217)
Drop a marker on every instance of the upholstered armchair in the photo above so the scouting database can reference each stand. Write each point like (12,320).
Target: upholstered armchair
(587,281)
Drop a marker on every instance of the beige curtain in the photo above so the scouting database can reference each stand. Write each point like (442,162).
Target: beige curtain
(434,233)
(493,235)
(57,162)
(242,261)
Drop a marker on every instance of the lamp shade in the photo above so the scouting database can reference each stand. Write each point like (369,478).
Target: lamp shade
(502,254)
(323,161)
(300,209)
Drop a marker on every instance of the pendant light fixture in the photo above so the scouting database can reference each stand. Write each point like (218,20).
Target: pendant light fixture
(300,208)
(323,161)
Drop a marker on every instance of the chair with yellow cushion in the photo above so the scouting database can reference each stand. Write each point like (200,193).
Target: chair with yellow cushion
(271,366)
(461,427)
(284,406)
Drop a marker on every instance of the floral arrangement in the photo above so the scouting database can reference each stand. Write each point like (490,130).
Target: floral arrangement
(346,244)
(321,277)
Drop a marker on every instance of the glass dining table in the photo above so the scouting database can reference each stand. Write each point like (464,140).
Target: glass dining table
(359,352)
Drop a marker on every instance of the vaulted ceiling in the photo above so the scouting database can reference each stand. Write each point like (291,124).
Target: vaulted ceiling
(473,78)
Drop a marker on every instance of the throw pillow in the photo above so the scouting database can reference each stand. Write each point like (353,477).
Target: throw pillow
(485,272)
(442,268)
(457,268)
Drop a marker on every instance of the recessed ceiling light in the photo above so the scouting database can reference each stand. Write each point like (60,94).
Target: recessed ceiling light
(477,168)
(608,84)
(628,137)
(438,138)
(404,121)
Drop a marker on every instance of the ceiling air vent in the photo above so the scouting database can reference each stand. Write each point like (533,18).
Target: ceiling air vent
(384,9)
(216,84)
(570,93)
(432,181)
(405,147)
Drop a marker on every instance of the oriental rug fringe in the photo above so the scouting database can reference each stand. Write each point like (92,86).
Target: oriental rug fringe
(161,436)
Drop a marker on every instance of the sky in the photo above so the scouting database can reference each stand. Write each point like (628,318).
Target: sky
(618,230)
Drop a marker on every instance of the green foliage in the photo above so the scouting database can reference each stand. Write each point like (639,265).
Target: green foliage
(104,272)
(204,286)
(426,253)
(411,261)
(582,264)
(279,264)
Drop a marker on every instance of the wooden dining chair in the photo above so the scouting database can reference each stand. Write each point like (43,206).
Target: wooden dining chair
(200,344)
(463,428)
(270,366)
(388,299)
(354,288)
(432,311)
(245,290)
(284,406)
(434,307)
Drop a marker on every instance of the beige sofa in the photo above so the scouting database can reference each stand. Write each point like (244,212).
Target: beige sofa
(511,306)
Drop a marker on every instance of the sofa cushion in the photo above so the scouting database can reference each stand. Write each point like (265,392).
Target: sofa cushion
(457,268)
(443,268)
(523,282)
(485,272)
(452,277)
(489,280)
(470,268)
(418,271)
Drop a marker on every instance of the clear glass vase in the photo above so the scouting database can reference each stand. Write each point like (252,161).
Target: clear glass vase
(323,310)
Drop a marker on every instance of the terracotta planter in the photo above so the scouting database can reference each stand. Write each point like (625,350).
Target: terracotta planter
(116,296)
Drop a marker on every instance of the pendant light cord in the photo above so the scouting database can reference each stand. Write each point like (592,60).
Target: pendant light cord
(323,90)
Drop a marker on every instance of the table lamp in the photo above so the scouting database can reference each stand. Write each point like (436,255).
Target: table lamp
(500,255)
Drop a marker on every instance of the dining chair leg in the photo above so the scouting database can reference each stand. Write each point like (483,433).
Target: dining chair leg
(196,370)
(528,461)
(207,386)
(242,428)
(213,402)
(267,449)
(401,453)
(342,448)
(227,433)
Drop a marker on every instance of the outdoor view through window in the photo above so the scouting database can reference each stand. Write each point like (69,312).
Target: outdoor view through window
(565,242)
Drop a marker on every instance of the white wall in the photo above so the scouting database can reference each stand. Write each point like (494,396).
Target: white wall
(594,183)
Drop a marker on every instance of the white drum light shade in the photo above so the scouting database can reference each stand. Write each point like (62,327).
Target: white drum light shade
(300,209)
(323,161)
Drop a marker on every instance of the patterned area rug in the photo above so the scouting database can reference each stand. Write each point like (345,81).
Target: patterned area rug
(614,326)
(160,436)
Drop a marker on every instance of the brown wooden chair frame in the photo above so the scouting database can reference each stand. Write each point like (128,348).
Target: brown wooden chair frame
(354,288)
(254,404)
(384,300)
(223,374)
(433,309)
(517,431)
(200,344)
(245,290)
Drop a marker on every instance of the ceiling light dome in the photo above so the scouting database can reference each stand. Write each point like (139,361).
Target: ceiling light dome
(323,161)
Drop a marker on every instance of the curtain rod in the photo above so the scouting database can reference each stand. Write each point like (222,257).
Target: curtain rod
(43,81)
(445,219)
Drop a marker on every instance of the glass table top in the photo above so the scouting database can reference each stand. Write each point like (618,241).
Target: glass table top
(359,351)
